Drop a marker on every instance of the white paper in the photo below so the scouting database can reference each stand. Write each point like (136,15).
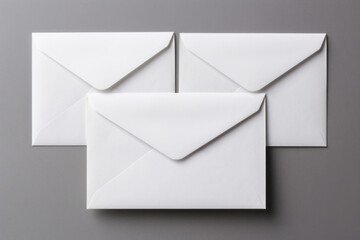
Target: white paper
(289,68)
(67,66)
(192,150)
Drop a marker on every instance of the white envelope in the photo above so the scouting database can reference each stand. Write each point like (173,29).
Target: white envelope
(67,66)
(290,68)
(191,150)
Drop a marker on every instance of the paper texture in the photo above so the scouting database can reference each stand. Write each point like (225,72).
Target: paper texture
(195,150)
(289,68)
(67,66)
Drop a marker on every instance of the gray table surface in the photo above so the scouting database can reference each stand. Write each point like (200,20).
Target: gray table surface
(313,193)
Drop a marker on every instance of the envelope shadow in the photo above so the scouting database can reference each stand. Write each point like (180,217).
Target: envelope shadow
(268,213)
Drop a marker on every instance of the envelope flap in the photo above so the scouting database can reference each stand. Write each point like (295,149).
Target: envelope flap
(101,59)
(176,124)
(253,60)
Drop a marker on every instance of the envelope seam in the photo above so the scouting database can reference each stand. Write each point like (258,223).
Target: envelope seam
(141,66)
(239,88)
(209,141)
(58,115)
(217,70)
(61,65)
(260,199)
(158,52)
(123,129)
(118,175)
(323,138)
(274,80)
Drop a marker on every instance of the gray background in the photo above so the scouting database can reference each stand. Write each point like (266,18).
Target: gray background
(313,193)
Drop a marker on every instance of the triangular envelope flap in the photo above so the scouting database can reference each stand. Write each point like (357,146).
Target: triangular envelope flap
(101,59)
(176,124)
(253,60)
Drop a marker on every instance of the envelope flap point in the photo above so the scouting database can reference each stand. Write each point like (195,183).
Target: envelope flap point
(253,60)
(176,124)
(101,59)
